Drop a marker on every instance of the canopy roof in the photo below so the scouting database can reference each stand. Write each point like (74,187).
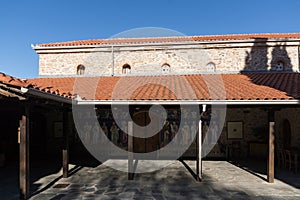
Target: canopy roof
(196,87)
(253,86)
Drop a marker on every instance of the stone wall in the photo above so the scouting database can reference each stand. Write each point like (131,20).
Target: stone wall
(189,58)
(293,116)
(256,128)
(253,119)
(67,63)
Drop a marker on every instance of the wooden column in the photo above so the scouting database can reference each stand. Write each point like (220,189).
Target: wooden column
(270,173)
(65,150)
(130,150)
(199,148)
(24,155)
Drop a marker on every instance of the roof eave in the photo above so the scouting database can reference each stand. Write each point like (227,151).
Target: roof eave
(189,102)
(53,46)
(46,95)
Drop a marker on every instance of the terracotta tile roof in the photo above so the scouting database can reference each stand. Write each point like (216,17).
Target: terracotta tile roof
(253,86)
(12,81)
(58,86)
(115,41)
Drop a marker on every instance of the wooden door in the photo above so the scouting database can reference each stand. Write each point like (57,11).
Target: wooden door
(287,134)
(152,143)
(144,145)
(139,143)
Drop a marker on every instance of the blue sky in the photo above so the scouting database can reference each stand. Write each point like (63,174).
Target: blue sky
(23,23)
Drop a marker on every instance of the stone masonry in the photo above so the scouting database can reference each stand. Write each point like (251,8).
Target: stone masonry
(225,56)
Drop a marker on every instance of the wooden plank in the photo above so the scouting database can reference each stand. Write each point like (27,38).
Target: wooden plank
(270,173)
(65,151)
(24,156)
(130,150)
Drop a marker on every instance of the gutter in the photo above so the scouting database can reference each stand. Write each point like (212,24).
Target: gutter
(11,90)
(112,61)
(46,95)
(187,42)
(188,102)
(79,101)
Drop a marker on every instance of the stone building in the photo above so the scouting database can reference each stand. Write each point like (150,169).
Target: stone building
(220,54)
(170,55)
(259,76)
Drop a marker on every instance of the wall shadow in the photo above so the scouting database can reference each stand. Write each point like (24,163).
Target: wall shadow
(273,70)
(257,58)
(280,59)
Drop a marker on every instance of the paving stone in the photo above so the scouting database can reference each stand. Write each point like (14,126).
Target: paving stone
(99,191)
(128,195)
(144,197)
(156,191)
(222,180)
(58,197)
(43,196)
(158,197)
(135,190)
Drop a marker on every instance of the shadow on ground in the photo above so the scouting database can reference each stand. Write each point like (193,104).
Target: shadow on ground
(221,180)
(259,169)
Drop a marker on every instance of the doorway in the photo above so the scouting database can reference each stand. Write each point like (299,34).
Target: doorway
(286,134)
(145,145)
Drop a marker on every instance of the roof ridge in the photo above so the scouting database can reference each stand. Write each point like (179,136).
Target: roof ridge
(208,37)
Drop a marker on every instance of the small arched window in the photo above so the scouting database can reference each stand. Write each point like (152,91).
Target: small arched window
(165,68)
(80,70)
(280,66)
(126,69)
(211,67)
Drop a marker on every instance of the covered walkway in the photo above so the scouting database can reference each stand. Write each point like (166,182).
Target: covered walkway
(45,97)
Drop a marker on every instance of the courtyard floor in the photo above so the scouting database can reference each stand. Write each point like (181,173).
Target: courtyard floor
(221,180)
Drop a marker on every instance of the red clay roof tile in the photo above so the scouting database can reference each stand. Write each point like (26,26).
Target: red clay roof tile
(12,81)
(253,86)
(115,41)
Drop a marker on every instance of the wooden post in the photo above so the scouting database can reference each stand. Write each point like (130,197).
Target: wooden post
(130,150)
(270,173)
(24,155)
(65,150)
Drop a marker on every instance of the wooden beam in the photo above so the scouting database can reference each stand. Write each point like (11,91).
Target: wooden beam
(65,150)
(130,150)
(24,156)
(270,173)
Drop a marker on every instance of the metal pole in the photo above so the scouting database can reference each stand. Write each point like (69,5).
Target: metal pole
(199,149)
(112,61)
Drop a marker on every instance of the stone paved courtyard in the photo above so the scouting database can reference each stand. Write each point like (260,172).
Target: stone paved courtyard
(222,180)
